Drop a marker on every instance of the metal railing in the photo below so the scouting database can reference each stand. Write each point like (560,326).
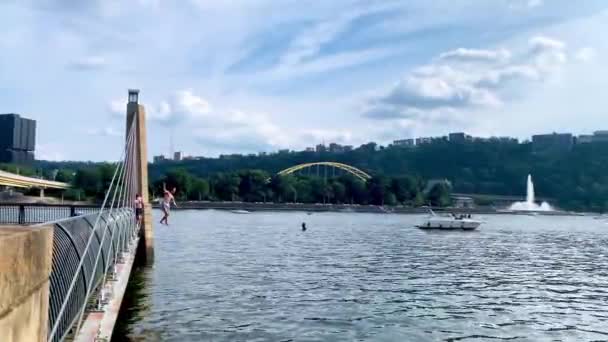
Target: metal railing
(34,213)
(69,248)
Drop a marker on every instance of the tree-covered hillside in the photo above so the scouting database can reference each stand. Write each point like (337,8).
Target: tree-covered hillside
(576,179)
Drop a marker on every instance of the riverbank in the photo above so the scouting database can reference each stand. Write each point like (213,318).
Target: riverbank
(249,206)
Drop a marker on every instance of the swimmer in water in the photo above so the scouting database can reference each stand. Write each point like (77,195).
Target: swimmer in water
(168,197)
(303,226)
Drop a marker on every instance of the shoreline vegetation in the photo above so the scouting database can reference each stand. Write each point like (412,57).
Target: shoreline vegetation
(348,208)
(572,179)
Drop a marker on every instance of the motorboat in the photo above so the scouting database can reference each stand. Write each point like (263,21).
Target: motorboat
(240,211)
(450,221)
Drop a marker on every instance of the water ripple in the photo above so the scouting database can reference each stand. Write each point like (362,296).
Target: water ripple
(227,277)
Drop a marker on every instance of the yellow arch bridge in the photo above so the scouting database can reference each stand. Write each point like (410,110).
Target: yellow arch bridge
(350,169)
(17,181)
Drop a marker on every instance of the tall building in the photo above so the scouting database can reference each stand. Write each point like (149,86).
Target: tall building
(457,137)
(159,159)
(555,142)
(404,143)
(177,156)
(17,139)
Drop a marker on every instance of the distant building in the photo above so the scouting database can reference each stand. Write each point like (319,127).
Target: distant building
(404,143)
(310,149)
(231,156)
(463,202)
(422,141)
(481,139)
(335,148)
(321,148)
(600,136)
(584,139)
(17,139)
(509,140)
(555,142)
(177,156)
(457,137)
(159,159)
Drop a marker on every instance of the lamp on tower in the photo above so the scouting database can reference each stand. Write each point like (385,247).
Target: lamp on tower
(133,95)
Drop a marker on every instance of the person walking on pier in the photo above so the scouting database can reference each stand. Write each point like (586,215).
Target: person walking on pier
(168,197)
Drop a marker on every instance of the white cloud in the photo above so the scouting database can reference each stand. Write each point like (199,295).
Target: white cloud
(540,44)
(105,132)
(319,135)
(236,130)
(184,105)
(50,152)
(220,128)
(447,87)
(331,63)
(586,54)
(89,63)
(181,107)
(463,54)
(525,4)
(303,56)
(117,108)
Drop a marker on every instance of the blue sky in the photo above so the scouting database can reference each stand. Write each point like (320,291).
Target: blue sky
(261,75)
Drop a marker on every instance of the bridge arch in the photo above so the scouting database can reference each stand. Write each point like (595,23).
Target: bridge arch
(350,169)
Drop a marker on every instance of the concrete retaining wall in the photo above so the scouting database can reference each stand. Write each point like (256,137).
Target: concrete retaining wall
(25,267)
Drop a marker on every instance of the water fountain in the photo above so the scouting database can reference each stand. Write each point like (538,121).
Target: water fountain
(530,204)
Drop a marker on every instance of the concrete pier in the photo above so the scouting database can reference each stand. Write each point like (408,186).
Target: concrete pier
(25,268)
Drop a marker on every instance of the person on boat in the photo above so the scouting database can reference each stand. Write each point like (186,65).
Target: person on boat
(139,208)
(168,197)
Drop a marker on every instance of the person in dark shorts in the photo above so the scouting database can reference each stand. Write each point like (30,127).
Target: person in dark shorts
(139,208)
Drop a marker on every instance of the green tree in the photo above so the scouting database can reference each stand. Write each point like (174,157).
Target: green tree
(65,175)
(405,188)
(226,186)
(439,195)
(378,189)
(284,187)
(199,189)
(339,191)
(252,187)
(89,180)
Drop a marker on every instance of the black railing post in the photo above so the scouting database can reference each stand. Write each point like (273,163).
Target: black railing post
(72,211)
(21,219)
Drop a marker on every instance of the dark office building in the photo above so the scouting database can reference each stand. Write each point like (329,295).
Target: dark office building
(17,139)
(556,142)
(457,137)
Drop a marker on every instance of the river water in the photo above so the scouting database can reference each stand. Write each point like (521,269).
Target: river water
(221,276)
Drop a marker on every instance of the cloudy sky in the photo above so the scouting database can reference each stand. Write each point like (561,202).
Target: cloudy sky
(258,75)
